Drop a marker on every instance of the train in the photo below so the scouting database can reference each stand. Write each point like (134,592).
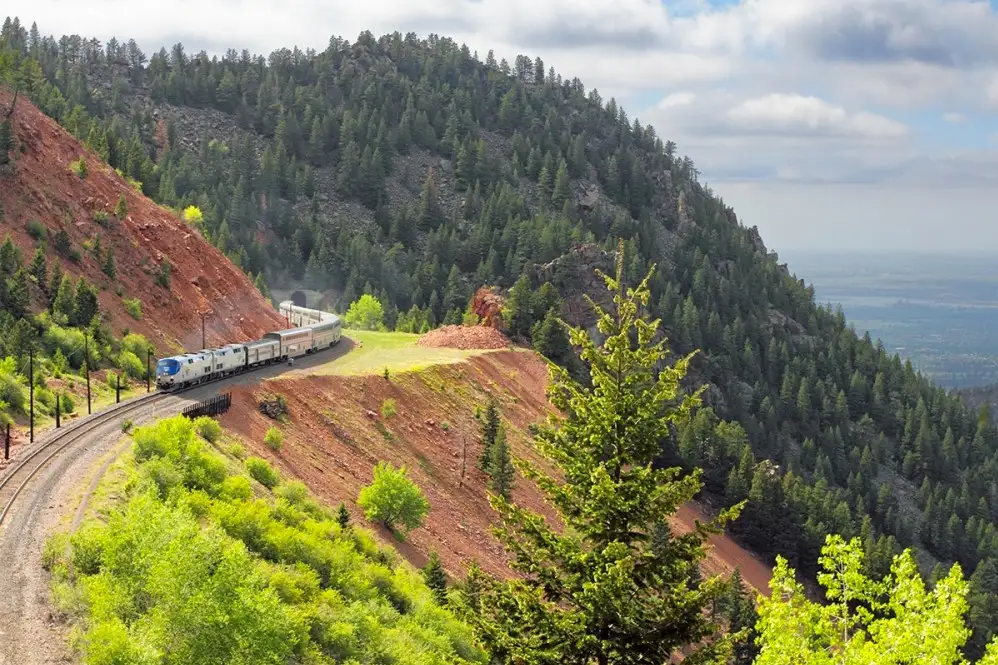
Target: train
(309,330)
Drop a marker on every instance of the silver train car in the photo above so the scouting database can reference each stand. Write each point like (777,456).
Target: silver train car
(309,330)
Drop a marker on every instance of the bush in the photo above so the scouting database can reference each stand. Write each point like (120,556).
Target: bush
(131,365)
(366,313)
(393,499)
(208,428)
(192,215)
(134,308)
(121,207)
(262,472)
(79,167)
(162,277)
(274,439)
(237,487)
(388,409)
(36,230)
(100,216)
(237,450)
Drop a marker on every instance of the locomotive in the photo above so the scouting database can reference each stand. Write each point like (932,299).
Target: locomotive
(312,331)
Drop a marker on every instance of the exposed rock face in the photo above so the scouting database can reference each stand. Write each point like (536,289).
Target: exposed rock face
(487,304)
(574,273)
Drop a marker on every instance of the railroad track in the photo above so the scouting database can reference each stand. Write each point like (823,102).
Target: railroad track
(20,474)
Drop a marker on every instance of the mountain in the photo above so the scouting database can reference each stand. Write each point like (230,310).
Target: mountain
(77,221)
(419,171)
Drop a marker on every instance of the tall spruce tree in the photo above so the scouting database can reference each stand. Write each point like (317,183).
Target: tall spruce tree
(435,578)
(600,593)
(500,465)
(489,425)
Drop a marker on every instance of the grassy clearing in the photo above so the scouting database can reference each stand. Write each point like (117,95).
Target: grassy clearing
(395,350)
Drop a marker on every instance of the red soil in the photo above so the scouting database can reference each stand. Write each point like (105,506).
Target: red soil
(335,437)
(465,337)
(43,188)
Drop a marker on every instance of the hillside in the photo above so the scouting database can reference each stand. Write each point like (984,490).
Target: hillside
(42,198)
(422,171)
(337,431)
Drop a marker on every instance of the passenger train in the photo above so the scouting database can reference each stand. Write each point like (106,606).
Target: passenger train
(313,330)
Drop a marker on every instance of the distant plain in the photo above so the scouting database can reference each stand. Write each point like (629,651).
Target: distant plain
(939,310)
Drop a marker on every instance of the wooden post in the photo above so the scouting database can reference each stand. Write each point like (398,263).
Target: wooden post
(31,392)
(117,388)
(86,351)
(464,459)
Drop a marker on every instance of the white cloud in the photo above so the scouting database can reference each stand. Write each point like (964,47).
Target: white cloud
(955,118)
(779,113)
(677,99)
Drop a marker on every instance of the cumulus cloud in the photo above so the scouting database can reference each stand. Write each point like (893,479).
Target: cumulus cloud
(779,113)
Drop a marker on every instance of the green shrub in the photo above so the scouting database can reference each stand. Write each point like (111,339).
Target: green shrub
(36,230)
(54,551)
(388,409)
(208,428)
(126,426)
(162,276)
(134,308)
(237,487)
(262,472)
(100,216)
(393,499)
(274,439)
(79,167)
(237,450)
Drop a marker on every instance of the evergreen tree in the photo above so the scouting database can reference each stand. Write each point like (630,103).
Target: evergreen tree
(550,338)
(500,466)
(343,516)
(18,298)
(519,312)
(600,593)
(435,578)
(489,424)
(39,269)
(84,304)
(109,267)
(6,143)
(430,214)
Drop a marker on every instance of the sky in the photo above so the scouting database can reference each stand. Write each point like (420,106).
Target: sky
(829,124)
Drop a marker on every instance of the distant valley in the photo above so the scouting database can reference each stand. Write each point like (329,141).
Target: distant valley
(941,311)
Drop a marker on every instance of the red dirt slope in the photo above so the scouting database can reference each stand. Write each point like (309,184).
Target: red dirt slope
(337,434)
(43,188)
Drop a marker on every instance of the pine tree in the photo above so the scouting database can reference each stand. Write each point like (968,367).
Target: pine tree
(562,187)
(121,207)
(343,516)
(6,142)
(430,214)
(500,466)
(109,267)
(489,426)
(39,268)
(18,299)
(599,593)
(436,579)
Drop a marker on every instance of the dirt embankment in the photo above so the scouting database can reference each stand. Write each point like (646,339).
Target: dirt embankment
(337,433)
(42,189)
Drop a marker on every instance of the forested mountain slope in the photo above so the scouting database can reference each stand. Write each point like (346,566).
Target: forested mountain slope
(421,171)
(149,273)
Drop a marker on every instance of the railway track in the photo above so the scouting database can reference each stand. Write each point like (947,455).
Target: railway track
(20,474)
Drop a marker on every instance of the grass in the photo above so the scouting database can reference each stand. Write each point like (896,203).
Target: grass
(395,350)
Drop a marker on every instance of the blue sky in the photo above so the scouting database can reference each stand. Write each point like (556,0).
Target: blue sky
(830,124)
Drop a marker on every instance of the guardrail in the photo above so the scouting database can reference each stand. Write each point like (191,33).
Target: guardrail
(209,407)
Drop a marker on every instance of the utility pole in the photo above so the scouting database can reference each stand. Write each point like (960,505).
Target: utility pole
(86,351)
(148,370)
(6,444)
(204,344)
(117,388)
(58,408)
(464,459)
(31,391)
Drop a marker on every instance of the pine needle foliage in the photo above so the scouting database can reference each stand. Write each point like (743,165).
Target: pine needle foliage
(598,592)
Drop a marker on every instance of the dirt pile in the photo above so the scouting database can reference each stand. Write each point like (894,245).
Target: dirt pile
(337,431)
(487,305)
(465,337)
(43,197)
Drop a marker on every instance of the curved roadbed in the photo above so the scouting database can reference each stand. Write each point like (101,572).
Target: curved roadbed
(29,635)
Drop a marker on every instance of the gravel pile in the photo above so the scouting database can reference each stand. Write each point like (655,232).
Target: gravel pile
(465,337)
